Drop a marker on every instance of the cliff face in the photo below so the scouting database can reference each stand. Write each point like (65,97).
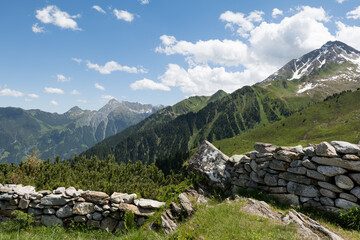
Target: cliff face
(325,176)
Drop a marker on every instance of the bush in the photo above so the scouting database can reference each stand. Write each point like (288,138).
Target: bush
(20,221)
(129,221)
(350,218)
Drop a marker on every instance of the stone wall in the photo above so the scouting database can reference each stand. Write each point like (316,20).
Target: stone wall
(63,206)
(325,175)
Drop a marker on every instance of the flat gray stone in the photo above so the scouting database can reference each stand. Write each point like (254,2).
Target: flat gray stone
(297,170)
(330,187)
(327,193)
(325,149)
(302,190)
(309,151)
(64,212)
(271,180)
(331,171)
(51,220)
(348,197)
(97,216)
(279,165)
(338,162)
(122,197)
(316,175)
(83,208)
(70,191)
(327,201)
(356,191)
(344,182)
(291,199)
(59,190)
(345,147)
(296,178)
(23,203)
(256,178)
(355,177)
(147,203)
(351,157)
(286,156)
(265,147)
(296,163)
(309,164)
(344,204)
(53,200)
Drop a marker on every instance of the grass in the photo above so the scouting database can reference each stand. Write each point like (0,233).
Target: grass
(334,119)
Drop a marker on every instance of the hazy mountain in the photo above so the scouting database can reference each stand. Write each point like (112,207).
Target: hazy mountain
(64,134)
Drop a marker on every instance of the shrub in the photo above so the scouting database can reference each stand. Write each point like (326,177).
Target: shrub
(20,221)
(350,218)
(129,221)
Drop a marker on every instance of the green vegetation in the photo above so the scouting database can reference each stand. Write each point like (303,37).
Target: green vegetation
(337,117)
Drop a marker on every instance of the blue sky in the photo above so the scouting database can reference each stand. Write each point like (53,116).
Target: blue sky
(58,54)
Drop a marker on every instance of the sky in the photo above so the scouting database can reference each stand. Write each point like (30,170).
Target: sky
(58,54)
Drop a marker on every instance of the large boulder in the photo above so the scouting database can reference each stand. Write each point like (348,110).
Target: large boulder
(95,197)
(51,220)
(64,212)
(210,163)
(83,208)
(344,182)
(345,147)
(148,203)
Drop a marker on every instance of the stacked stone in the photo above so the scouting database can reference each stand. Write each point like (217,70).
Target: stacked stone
(63,206)
(326,175)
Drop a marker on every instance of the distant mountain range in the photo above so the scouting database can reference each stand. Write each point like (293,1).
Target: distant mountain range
(64,134)
(302,82)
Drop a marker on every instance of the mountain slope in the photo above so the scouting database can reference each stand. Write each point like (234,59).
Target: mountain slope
(333,68)
(64,134)
(337,117)
(240,111)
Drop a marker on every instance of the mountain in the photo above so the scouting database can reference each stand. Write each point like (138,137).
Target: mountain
(163,139)
(337,117)
(64,134)
(333,68)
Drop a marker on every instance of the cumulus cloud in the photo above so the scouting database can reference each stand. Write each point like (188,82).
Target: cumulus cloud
(78,60)
(107,97)
(354,14)
(75,92)
(276,12)
(54,90)
(340,1)
(7,92)
(148,84)
(269,46)
(53,102)
(99,9)
(62,78)
(33,95)
(348,34)
(53,15)
(124,15)
(244,24)
(113,66)
(144,2)
(98,86)
(37,29)
(225,52)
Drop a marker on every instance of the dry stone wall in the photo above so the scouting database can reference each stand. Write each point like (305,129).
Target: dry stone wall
(63,206)
(325,175)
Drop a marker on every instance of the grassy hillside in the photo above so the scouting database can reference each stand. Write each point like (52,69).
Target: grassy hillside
(246,108)
(336,118)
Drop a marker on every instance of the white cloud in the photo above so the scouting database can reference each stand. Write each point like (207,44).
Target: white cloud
(37,29)
(340,1)
(244,24)
(54,90)
(98,86)
(53,15)
(276,12)
(354,14)
(78,60)
(81,100)
(269,46)
(99,9)
(226,52)
(53,102)
(204,80)
(144,2)
(148,84)
(33,95)
(107,97)
(348,34)
(7,92)
(75,92)
(62,78)
(124,15)
(113,66)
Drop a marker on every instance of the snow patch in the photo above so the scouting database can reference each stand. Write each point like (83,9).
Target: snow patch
(307,87)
